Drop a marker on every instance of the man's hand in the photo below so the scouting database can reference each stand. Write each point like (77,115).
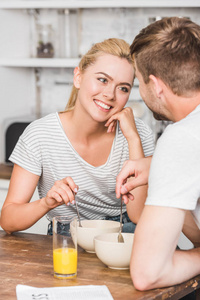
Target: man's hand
(137,171)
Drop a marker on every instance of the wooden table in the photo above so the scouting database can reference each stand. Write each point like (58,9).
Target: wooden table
(27,259)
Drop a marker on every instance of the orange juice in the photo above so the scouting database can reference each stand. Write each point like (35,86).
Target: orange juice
(65,262)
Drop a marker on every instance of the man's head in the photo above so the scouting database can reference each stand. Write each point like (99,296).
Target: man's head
(169,49)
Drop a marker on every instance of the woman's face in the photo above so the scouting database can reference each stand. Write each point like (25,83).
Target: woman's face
(105,86)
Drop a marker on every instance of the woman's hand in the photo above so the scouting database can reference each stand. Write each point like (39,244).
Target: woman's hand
(129,130)
(126,122)
(61,192)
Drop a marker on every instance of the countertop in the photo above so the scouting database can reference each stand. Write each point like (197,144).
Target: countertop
(5,171)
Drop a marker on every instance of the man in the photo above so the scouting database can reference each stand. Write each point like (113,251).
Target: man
(167,65)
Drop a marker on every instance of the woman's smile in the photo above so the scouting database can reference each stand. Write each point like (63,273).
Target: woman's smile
(102,105)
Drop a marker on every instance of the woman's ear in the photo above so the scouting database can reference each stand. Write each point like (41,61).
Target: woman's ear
(157,85)
(77,77)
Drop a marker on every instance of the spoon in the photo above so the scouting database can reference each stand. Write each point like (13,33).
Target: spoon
(79,219)
(120,236)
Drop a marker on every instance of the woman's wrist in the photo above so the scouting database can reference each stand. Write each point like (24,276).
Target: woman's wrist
(44,205)
(133,136)
(135,149)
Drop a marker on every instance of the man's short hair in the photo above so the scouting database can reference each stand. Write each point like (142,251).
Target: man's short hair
(170,50)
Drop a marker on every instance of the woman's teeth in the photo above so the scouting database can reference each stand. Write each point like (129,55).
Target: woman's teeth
(103,105)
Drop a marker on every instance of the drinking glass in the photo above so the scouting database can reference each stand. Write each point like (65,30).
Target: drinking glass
(65,247)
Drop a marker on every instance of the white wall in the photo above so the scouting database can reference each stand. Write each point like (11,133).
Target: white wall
(17,96)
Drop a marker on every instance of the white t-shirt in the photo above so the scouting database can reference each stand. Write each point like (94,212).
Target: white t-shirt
(174,179)
(44,149)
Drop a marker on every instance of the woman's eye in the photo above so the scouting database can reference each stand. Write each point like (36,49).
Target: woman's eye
(102,80)
(124,89)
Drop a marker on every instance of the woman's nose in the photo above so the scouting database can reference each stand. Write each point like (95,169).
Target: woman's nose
(109,93)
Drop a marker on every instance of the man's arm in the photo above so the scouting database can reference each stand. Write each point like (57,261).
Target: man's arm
(155,261)
(191,230)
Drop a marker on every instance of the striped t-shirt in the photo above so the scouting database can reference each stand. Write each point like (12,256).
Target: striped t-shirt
(45,150)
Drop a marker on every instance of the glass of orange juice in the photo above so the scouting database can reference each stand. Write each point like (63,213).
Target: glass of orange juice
(65,247)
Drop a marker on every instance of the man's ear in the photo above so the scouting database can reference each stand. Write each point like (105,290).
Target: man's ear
(77,77)
(157,84)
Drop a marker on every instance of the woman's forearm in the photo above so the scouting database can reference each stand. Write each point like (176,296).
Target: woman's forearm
(135,207)
(15,217)
(135,148)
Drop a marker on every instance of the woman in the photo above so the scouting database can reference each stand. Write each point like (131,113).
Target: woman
(81,150)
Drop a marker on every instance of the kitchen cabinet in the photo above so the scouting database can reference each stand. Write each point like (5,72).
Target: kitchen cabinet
(4,183)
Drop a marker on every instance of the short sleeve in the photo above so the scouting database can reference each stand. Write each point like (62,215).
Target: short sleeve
(26,157)
(174,174)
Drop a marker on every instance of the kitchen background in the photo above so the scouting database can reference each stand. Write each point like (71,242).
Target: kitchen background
(41,41)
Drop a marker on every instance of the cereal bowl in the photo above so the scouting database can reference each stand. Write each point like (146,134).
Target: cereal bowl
(90,229)
(113,254)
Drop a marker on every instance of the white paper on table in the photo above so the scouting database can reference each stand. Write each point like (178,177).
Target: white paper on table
(84,292)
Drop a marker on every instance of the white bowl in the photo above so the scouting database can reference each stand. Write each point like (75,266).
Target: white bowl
(92,228)
(113,254)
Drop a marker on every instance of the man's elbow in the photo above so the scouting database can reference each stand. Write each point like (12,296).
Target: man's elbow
(4,227)
(144,280)
(7,231)
(141,283)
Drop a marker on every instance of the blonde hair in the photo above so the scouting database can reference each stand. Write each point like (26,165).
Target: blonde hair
(113,46)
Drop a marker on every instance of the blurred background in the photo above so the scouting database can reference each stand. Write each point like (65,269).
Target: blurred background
(41,41)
